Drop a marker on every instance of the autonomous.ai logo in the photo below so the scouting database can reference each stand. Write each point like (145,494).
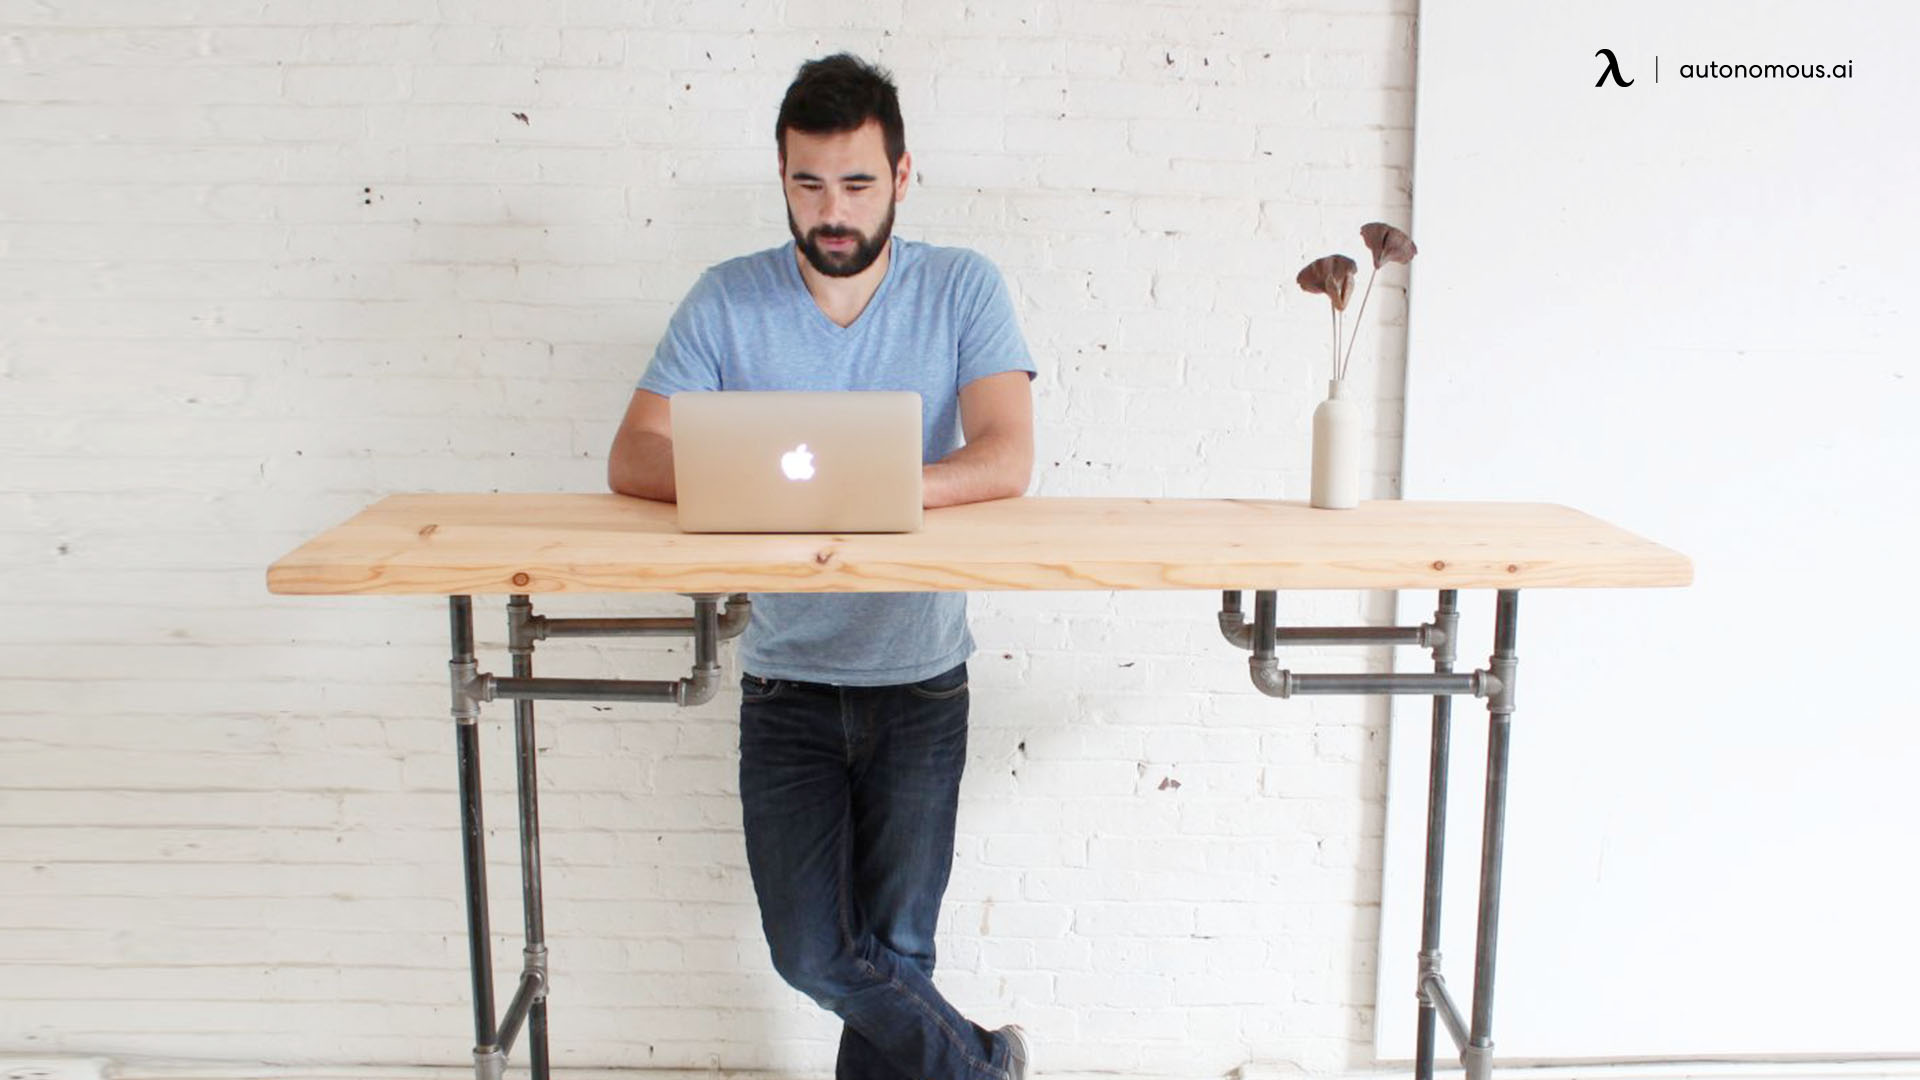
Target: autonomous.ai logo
(1753,68)
(1612,71)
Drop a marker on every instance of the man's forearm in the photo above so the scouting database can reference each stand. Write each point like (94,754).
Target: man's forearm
(641,464)
(991,467)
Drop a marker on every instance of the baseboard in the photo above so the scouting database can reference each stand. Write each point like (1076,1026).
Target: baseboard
(1903,1068)
(54,1068)
(101,1068)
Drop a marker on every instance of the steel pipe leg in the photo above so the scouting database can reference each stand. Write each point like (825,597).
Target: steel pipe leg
(526,750)
(538,1047)
(466,716)
(1447,617)
(1478,1057)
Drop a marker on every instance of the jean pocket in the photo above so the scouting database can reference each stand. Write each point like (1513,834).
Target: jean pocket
(754,689)
(944,686)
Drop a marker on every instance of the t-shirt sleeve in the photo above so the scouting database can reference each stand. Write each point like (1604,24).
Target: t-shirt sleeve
(990,339)
(688,356)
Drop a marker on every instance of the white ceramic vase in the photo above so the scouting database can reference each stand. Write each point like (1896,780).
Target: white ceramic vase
(1337,428)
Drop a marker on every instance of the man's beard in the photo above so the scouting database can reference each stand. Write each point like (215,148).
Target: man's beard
(846,264)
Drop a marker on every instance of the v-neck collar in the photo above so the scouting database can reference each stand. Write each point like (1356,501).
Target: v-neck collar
(792,259)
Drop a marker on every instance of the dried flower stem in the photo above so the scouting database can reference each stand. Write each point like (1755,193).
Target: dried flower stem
(1342,369)
(1335,312)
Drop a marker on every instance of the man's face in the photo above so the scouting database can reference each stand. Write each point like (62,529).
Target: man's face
(840,196)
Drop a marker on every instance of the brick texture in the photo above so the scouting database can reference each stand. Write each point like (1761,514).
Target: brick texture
(262,262)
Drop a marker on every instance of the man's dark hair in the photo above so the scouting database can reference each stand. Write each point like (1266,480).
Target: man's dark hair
(840,93)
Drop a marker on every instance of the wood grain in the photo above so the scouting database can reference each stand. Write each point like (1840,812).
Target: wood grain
(491,544)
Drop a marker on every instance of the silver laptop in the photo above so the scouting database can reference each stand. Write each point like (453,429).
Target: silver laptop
(797,461)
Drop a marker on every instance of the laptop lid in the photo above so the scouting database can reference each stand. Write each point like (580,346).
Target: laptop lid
(797,460)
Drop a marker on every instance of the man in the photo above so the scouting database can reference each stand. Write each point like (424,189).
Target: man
(853,714)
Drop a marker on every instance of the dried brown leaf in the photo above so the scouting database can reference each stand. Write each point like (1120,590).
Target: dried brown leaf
(1330,276)
(1387,243)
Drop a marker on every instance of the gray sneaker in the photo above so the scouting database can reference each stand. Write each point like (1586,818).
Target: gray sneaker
(1018,1057)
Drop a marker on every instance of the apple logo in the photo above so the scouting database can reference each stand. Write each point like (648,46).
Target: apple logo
(797,463)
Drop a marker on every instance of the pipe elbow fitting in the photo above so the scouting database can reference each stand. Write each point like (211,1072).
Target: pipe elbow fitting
(1269,677)
(698,688)
(733,618)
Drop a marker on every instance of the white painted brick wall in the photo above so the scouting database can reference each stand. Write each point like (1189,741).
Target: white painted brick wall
(262,262)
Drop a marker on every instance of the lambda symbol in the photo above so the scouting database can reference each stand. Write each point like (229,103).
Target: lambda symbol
(1613,69)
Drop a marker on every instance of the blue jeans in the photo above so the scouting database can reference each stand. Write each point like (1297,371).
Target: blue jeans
(850,794)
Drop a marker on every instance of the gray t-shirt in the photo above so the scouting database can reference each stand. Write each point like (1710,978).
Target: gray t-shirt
(940,319)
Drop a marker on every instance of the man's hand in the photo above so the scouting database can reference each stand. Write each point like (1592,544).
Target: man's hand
(996,416)
(641,461)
